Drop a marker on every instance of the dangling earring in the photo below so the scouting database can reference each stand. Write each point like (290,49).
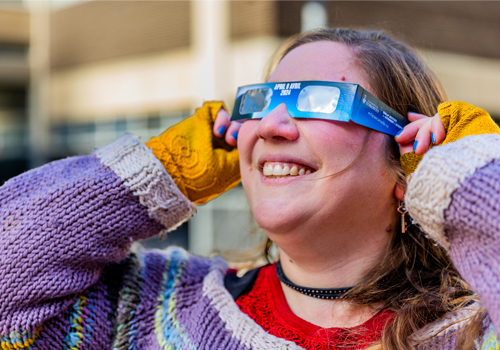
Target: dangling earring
(402,210)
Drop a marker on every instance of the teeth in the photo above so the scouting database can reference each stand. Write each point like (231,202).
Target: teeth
(276,169)
(267,171)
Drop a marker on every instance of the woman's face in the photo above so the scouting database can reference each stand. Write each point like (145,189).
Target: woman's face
(285,203)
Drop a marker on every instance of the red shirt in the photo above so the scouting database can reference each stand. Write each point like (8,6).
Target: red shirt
(267,306)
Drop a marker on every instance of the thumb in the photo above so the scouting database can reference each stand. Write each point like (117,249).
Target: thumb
(211,109)
(228,162)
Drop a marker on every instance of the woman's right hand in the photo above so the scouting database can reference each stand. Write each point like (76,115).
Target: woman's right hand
(420,134)
(202,166)
(454,120)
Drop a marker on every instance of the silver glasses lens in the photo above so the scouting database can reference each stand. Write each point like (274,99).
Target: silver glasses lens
(321,99)
(255,100)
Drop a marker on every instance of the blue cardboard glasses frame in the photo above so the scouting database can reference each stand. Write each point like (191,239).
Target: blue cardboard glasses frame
(319,100)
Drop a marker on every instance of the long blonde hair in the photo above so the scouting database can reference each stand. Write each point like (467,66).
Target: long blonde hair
(417,279)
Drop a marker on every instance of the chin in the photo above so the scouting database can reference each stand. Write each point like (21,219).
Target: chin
(276,217)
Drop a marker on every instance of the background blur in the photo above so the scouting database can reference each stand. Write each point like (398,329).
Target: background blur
(75,75)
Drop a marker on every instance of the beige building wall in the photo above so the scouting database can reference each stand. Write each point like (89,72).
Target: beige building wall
(209,66)
(475,80)
(14,26)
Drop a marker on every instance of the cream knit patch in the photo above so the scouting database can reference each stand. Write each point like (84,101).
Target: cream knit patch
(441,171)
(241,326)
(146,178)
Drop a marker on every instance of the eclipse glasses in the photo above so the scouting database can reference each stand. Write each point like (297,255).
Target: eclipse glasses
(318,100)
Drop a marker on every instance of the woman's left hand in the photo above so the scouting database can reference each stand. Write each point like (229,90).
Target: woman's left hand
(422,131)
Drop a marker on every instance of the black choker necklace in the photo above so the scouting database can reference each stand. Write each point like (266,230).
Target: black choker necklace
(312,292)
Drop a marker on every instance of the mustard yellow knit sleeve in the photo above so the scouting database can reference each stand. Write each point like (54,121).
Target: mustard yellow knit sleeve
(202,165)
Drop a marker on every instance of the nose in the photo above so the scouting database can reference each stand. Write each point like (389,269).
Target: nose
(278,125)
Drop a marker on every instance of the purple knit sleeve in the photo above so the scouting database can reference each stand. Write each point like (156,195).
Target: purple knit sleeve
(455,196)
(62,223)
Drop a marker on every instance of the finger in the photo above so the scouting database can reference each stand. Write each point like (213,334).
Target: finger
(410,131)
(423,138)
(232,133)
(413,116)
(221,123)
(405,148)
(438,130)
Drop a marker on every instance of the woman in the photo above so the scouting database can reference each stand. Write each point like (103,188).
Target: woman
(67,281)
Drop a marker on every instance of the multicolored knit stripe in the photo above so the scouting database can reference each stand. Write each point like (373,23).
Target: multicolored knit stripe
(127,303)
(490,340)
(19,340)
(81,322)
(195,310)
(153,266)
(169,332)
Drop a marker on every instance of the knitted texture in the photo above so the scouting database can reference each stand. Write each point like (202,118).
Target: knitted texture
(62,223)
(460,119)
(443,333)
(490,340)
(147,180)
(202,165)
(245,329)
(267,306)
(409,162)
(67,280)
(442,171)
(473,225)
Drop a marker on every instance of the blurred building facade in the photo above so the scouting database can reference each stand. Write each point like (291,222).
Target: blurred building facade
(100,69)
(14,83)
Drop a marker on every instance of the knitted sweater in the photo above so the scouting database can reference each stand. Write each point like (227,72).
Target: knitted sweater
(67,280)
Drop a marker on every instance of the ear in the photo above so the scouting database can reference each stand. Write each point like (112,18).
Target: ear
(399,193)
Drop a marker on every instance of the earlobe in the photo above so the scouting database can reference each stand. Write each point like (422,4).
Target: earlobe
(399,193)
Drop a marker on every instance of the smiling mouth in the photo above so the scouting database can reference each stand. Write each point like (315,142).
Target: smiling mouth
(281,169)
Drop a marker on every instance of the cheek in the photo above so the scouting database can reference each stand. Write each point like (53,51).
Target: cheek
(247,137)
(337,143)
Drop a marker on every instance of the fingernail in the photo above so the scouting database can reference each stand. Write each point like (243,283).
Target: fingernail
(399,132)
(433,138)
(235,135)
(415,146)
(221,130)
